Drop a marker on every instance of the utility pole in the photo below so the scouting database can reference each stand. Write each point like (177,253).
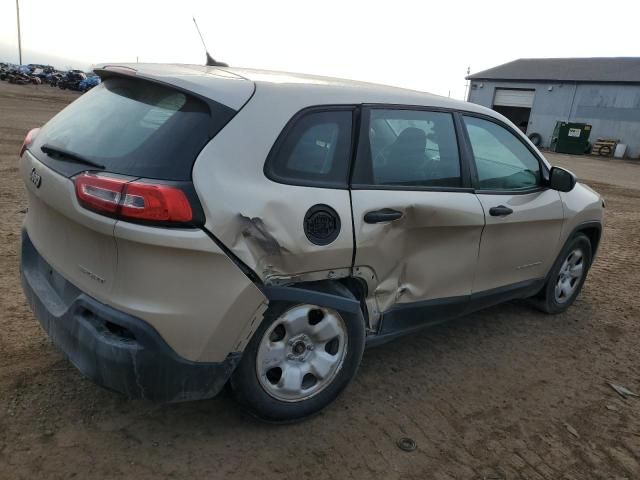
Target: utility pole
(19,40)
(466,85)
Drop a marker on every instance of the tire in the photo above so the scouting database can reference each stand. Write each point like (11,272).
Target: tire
(287,348)
(536,139)
(561,277)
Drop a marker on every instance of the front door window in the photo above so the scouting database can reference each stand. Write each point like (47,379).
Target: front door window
(502,161)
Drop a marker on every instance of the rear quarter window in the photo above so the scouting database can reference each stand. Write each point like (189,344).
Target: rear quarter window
(314,149)
(134,127)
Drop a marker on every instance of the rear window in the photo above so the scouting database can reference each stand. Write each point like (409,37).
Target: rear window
(133,127)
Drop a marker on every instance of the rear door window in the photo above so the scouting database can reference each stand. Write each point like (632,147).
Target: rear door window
(133,127)
(409,148)
(314,149)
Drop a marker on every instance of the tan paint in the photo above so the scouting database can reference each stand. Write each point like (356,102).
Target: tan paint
(429,253)
(77,243)
(186,287)
(521,246)
(261,221)
(581,205)
(177,280)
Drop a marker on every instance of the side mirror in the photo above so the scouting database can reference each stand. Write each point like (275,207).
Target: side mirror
(561,180)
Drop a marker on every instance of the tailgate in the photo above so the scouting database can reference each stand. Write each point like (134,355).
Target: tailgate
(128,128)
(79,244)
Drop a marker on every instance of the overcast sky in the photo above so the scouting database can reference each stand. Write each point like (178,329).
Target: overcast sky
(423,45)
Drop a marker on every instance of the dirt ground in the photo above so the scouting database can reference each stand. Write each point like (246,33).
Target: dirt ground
(508,393)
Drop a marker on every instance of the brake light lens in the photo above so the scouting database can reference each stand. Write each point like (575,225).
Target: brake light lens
(98,193)
(137,200)
(158,203)
(28,140)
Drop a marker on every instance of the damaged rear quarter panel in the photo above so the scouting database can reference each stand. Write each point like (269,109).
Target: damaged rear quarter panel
(259,220)
(189,290)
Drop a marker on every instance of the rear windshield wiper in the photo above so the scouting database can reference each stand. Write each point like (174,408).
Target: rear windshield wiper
(67,155)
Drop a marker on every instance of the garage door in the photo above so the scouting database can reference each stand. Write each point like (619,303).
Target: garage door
(506,97)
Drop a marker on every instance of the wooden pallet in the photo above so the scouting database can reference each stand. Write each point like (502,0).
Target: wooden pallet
(604,147)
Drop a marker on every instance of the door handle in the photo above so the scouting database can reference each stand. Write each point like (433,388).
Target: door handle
(384,215)
(500,211)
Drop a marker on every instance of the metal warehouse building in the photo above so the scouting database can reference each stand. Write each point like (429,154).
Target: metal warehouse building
(535,93)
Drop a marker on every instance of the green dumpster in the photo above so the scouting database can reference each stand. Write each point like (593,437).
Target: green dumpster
(571,138)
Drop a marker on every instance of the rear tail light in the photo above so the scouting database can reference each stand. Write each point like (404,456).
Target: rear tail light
(98,193)
(142,201)
(28,140)
(160,203)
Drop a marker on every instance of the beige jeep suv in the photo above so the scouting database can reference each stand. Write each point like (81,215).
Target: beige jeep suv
(190,227)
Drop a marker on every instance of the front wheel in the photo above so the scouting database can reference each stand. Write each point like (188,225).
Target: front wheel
(567,276)
(298,361)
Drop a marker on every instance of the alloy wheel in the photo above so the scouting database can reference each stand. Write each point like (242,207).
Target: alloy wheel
(569,276)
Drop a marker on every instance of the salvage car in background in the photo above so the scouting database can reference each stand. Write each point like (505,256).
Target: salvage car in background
(262,228)
(37,74)
(88,83)
(72,80)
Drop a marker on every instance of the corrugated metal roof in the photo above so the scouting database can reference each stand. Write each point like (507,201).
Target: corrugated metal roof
(599,69)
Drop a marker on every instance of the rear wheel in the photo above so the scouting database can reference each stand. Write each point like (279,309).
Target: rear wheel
(567,276)
(299,360)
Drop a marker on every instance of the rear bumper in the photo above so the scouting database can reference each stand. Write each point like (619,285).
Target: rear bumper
(114,349)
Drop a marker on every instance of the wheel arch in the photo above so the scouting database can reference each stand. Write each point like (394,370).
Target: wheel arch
(346,295)
(592,229)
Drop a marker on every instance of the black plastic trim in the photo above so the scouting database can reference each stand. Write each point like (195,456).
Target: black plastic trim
(355,142)
(324,237)
(407,316)
(588,225)
(402,319)
(495,296)
(249,272)
(300,294)
(465,152)
(414,188)
(511,192)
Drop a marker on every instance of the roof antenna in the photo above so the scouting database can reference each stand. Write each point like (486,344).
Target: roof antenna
(211,62)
